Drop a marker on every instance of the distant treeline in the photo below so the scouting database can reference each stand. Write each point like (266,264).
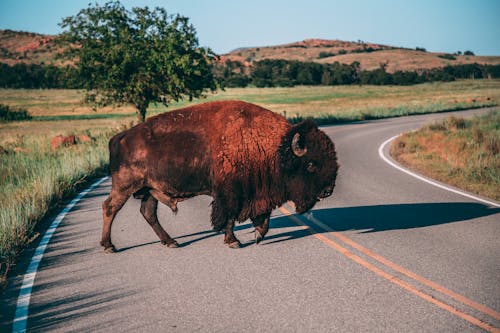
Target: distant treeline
(31,76)
(284,73)
(265,73)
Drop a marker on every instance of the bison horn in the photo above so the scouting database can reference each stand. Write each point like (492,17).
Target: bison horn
(297,149)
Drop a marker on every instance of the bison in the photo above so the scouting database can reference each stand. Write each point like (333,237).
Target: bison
(249,159)
(62,141)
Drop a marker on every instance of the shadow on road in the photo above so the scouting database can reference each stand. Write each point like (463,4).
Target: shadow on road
(404,216)
(54,316)
(367,219)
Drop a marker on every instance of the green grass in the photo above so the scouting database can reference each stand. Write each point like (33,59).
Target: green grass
(464,153)
(381,113)
(83,116)
(350,103)
(327,103)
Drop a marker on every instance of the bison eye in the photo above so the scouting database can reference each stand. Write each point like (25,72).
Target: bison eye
(311,167)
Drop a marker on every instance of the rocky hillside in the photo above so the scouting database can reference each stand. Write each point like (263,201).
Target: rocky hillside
(369,55)
(27,47)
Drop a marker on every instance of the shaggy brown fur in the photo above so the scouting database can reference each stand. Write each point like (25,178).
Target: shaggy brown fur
(237,152)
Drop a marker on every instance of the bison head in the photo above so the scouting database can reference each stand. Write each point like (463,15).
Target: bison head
(309,164)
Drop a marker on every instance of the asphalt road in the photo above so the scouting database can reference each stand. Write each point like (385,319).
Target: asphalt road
(386,253)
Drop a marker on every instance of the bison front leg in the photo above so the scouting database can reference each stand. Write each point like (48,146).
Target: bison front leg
(149,206)
(229,237)
(261,224)
(221,221)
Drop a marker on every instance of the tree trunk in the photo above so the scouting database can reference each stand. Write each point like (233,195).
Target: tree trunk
(141,113)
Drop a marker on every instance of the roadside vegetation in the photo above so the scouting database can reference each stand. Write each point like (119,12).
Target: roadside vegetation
(34,180)
(463,153)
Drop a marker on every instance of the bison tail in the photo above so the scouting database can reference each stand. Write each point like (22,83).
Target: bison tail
(114,152)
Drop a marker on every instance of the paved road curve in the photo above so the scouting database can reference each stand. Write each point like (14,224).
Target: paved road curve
(386,253)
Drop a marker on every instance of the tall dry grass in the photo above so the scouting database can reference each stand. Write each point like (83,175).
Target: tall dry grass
(461,152)
(33,179)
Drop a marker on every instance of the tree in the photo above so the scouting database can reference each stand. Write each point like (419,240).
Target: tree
(136,57)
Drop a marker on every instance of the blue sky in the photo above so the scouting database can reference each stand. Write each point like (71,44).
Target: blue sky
(223,25)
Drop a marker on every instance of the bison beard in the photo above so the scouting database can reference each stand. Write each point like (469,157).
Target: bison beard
(249,159)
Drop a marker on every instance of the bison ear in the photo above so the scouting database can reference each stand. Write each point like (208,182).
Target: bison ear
(298,147)
(294,144)
(298,134)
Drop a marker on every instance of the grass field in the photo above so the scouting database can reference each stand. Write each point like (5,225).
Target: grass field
(343,103)
(463,153)
(33,179)
(351,103)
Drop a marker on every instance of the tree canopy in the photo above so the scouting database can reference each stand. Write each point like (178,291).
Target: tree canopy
(136,57)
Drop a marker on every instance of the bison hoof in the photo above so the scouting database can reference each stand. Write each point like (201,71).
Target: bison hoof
(173,245)
(258,237)
(110,249)
(235,245)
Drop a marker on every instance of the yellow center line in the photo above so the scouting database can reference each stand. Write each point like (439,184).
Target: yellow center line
(492,313)
(390,277)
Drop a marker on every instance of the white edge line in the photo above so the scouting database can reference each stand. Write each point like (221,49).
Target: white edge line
(444,187)
(23,301)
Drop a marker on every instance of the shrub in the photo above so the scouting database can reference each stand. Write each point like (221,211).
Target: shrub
(454,123)
(447,56)
(324,54)
(8,113)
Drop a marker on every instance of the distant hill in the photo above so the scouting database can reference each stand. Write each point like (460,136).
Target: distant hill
(33,48)
(27,47)
(370,56)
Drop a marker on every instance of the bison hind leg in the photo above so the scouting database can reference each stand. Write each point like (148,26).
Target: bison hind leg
(149,206)
(221,220)
(110,207)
